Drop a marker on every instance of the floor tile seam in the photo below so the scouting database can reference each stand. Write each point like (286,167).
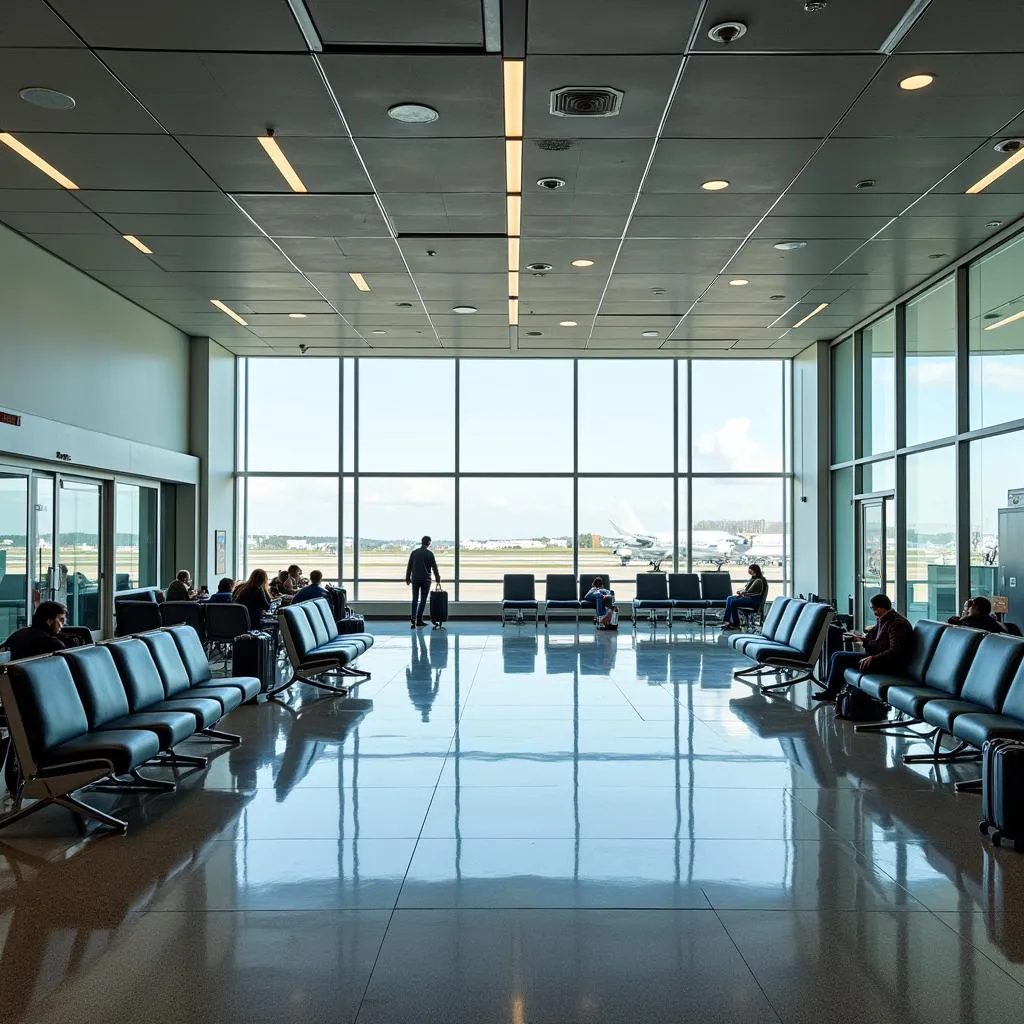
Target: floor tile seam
(746,963)
(976,948)
(865,859)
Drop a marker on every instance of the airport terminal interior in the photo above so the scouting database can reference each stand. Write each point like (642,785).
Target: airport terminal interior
(669,293)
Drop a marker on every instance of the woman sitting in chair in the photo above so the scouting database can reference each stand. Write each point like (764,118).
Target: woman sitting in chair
(751,596)
(603,601)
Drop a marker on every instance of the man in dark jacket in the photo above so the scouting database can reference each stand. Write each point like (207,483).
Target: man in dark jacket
(44,636)
(887,644)
(978,615)
(417,574)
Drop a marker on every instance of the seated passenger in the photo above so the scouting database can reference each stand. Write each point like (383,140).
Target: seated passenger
(888,644)
(224,591)
(977,614)
(44,635)
(283,583)
(295,578)
(751,596)
(255,595)
(603,601)
(180,588)
(313,590)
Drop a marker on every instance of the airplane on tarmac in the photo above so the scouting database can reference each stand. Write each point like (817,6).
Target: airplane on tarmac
(717,546)
(765,549)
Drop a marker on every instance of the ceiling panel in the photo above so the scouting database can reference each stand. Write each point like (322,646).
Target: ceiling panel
(204,253)
(80,223)
(33,23)
(184,25)
(609,26)
(465,90)
(393,23)
(690,256)
(440,213)
(984,26)
(229,93)
(106,251)
(312,216)
(596,166)
(326,255)
(822,254)
(435,165)
(733,95)
(455,255)
(241,165)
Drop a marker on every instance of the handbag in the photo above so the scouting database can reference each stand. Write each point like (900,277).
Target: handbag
(856,706)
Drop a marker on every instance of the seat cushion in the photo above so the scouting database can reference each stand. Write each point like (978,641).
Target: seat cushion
(657,602)
(205,712)
(759,651)
(573,605)
(125,749)
(519,604)
(912,699)
(171,727)
(975,729)
(229,697)
(714,603)
(688,602)
(248,686)
(875,684)
(943,712)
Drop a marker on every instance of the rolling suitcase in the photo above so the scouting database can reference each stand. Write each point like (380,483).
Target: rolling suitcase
(834,642)
(438,608)
(352,624)
(1002,791)
(252,654)
(338,599)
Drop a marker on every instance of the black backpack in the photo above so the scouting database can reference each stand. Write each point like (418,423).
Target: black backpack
(856,706)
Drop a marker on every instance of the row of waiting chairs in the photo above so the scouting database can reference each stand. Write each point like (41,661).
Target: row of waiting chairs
(216,622)
(655,591)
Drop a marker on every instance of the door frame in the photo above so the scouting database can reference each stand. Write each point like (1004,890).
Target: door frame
(886,502)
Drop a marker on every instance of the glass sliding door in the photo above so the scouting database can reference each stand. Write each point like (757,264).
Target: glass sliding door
(876,552)
(79,550)
(135,536)
(13,553)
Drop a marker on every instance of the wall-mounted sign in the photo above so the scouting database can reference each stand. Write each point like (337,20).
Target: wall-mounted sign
(63,456)
(1001,605)
(10,418)
(220,551)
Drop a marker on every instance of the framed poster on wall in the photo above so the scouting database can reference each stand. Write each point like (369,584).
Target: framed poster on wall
(220,551)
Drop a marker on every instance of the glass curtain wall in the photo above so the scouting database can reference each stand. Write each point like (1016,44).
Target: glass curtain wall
(897,386)
(515,465)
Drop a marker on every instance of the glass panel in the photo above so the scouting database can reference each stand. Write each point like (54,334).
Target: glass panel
(348,487)
(135,537)
(513,525)
(737,416)
(78,552)
(683,426)
(931,364)
(349,414)
(626,419)
(997,551)
(13,551)
(630,519)
(516,415)
(872,556)
(842,401)
(407,415)
(734,517)
(997,335)
(878,389)
(241,372)
(931,535)
(878,476)
(393,515)
(843,542)
(282,391)
(293,521)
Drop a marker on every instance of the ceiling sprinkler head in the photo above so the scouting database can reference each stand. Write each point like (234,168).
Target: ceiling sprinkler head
(303,349)
(727,32)
(1008,145)
(865,183)
(539,268)
(814,6)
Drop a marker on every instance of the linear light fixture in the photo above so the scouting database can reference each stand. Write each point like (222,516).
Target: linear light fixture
(513,165)
(513,70)
(513,312)
(513,253)
(230,312)
(515,215)
(1006,320)
(141,246)
(997,172)
(513,283)
(274,151)
(360,282)
(814,312)
(37,161)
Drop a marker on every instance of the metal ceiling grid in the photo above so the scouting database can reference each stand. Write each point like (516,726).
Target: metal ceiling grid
(170,100)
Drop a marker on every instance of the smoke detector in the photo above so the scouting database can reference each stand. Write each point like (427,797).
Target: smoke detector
(586,101)
(814,6)
(727,32)
(539,268)
(550,184)
(1008,145)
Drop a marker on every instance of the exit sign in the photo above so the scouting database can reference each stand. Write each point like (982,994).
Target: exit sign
(10,418)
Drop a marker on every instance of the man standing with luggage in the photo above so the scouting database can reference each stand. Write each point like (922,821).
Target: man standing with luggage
(417,574)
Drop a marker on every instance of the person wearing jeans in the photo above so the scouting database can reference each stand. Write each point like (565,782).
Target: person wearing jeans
(603,601)
(417,575)
(750,596)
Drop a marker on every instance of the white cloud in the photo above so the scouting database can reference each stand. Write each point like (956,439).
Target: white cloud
(733,447)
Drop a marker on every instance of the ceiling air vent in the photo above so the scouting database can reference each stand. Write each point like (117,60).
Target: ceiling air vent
(586,101)
(554,145)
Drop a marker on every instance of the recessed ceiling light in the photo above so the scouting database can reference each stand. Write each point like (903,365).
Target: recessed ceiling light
(380,332)
(463,309)
(715,185)
(37,161)
(776,297)
(814,312)
(787,246)
(739,282)
(1006,320)
(914,82)
(48,99)
(297,316)
(539,268)
(360,282)
(230,312)
(582,263)
(404,305)
(274,151)
(993,224)
(413,113)
(649,334)
(567,323)
(937,255)
(1015,147)
(141,246)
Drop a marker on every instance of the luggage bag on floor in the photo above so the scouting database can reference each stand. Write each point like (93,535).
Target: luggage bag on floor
(834,642)
(253,655)
(338,599)
(438,607)
(1002,791)
(352,624)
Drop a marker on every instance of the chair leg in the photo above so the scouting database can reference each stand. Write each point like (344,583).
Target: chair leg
(961,752)
(174,758)
(84,810)
(785,684)
(223,737)
(969,786)
(24,812)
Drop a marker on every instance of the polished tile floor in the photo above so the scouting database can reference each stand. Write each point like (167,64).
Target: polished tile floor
(545,827)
